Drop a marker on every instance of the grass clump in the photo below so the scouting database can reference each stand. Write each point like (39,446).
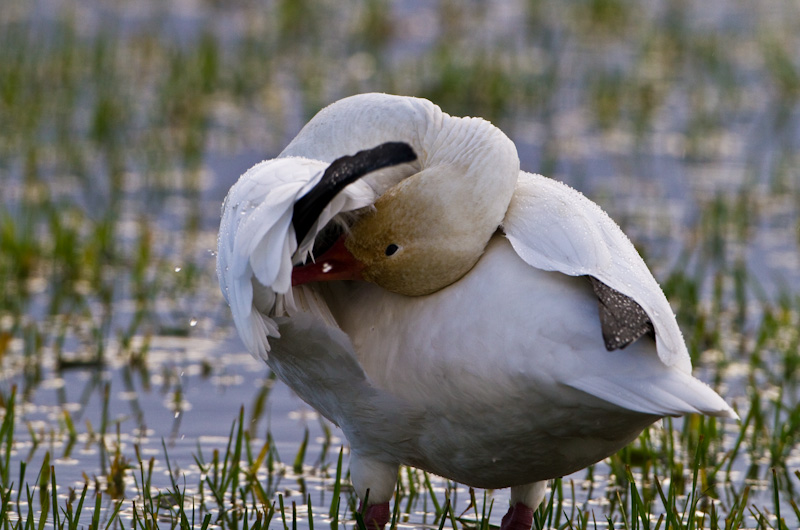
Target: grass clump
(122,132)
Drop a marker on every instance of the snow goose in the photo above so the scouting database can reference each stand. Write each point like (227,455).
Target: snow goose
(485,324)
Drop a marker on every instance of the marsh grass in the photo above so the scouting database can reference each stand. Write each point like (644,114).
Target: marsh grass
(121,132)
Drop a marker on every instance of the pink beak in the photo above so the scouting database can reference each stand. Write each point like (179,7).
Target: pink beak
(337,263)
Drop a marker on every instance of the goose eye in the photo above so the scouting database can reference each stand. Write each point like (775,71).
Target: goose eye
(391,249)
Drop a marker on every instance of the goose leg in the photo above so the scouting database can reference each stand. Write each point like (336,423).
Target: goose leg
(377,515)
(374,481)
(524,500)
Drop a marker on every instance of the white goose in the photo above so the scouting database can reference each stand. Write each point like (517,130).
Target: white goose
(507,331)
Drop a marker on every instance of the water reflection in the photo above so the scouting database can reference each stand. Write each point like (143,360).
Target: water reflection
(124,125)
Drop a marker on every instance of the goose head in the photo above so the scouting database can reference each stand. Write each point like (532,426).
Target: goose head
(424,233)
(416,240)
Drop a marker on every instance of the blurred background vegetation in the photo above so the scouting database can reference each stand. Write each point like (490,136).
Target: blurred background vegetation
(123,124)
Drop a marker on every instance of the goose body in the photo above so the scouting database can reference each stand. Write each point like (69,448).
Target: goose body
(508,331)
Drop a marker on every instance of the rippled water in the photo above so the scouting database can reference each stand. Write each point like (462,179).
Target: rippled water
(662,185)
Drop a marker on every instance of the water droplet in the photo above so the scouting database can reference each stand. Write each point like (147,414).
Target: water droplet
(326,268)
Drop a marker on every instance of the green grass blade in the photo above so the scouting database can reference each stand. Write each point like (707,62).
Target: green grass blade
(301,455)
(333,512)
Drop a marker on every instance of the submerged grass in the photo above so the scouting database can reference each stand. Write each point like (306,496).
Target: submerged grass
(115,123)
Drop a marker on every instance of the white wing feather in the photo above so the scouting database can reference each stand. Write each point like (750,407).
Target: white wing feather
(555,228)
(257,247)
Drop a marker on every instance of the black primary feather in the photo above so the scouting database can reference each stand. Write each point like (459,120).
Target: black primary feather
(623,321)
(342,172)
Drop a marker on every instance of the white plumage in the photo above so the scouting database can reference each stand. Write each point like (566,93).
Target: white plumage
(256,242)
(498,379)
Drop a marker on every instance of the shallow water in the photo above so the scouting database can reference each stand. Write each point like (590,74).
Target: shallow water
(710,181)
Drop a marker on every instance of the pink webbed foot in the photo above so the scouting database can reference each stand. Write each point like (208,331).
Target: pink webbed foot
(377,515)
(518,517)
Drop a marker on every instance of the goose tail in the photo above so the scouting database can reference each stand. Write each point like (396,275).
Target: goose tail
(669,393)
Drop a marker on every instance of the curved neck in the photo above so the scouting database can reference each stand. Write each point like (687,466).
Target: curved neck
(475,151)
(441,209)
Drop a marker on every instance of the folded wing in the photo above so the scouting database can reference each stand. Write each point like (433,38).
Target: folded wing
(555,228)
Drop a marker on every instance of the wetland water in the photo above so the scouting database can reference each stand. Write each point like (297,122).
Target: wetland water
(125,124)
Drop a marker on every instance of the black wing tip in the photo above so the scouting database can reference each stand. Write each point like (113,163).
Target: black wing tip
(623,321)
(395,152)
(349,168)
(342,172)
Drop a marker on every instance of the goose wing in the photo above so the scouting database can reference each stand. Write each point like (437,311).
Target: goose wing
(257,243)
(555,228)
